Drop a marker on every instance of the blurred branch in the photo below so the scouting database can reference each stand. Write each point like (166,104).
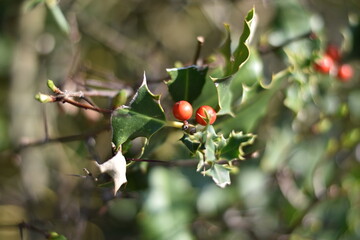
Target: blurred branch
(23,225)
(323,196)
(71,138)
(269,49)
(192,162)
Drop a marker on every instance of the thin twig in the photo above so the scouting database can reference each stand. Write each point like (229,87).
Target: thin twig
(84,106)
(200,43)
(46,129)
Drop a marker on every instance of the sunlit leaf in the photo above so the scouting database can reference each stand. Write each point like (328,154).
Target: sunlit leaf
(220,175)
(116,168)
(233,63)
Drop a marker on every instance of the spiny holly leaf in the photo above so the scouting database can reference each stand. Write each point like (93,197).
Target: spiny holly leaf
(242,52)
(225,96)
(209,144)
(186,83)
(191,142)
(220,175)
(233,149)
(116,168)
(142,118)
(212,148)
(233,63)
(225,50)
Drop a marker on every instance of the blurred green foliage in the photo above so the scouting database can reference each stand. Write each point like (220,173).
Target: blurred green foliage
(302,183)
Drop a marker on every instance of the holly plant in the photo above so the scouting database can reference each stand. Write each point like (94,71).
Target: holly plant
(144,115)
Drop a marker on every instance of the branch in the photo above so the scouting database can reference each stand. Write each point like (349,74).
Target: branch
(62,139)
(63,97)
(192,162)
(200,43)
(268,49)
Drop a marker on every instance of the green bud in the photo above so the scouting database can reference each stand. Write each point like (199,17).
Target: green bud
(43,98)
(52,86)
(120,99)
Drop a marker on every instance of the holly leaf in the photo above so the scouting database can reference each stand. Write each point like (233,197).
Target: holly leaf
(191,142)
(209,139)
(116,168)
(233,64)
(225,50)
(186,83)
(233,149)
(220,175)
(142,118)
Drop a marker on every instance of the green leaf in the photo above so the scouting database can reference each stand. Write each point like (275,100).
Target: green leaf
(142,118)
(191,142)
(225,50)
(220,175)
(186,83)
(58,15)
(254,108)
(225,96)
(233,63)
(234,146)
(242,52)
(56,236)
(209,144)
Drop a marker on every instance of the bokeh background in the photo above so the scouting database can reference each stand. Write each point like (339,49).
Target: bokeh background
(290,191)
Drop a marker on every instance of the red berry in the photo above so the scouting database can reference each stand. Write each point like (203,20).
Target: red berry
(324,65)
(205,115)
(345,72)
(182,110)
(333,52)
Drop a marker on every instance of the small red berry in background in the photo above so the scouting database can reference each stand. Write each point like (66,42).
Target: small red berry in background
(205,115)
(333,52)
(345,72)
(182,110)
(324,65)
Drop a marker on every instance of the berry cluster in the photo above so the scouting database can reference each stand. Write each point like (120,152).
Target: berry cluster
(183,111)
(330,64)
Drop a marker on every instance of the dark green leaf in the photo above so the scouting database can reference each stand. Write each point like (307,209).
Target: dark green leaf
(186,83)
(234,146)
(142,118)
(191,142)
